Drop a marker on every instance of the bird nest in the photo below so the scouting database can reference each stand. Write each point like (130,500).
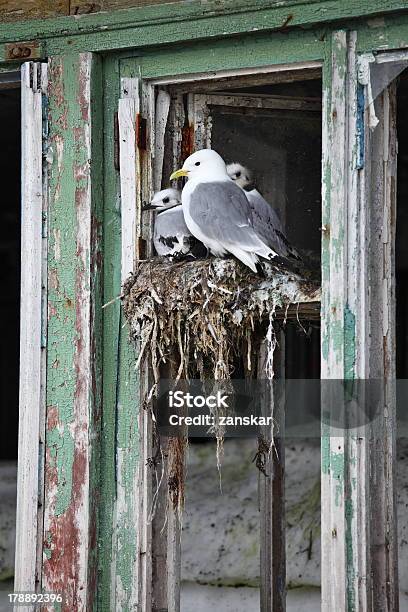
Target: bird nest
(202,316)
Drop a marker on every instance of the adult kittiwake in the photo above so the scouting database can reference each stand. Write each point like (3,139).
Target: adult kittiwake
(217,211)
(171,236)
(265,218)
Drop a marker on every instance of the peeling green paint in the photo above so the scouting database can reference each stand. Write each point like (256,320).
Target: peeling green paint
(159,26)
(62,448)
(325,449)
(61,290)
(349,343)
(337,465)
(74,306)
(111,333)
(168,23)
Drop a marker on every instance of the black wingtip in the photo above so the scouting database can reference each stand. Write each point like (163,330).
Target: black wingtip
(259,269)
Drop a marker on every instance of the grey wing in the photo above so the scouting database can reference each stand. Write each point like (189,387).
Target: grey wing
(171,234)
(222,212)
(268,225)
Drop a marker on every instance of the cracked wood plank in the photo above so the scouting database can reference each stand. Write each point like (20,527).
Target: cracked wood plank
(74,317)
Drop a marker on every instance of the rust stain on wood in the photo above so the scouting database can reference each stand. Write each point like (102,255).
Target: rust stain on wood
(63,537)
(22,51)
(187,141)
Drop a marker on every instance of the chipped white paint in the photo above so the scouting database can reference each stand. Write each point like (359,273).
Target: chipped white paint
(223,74)
(359,567)
(126,506)
(346,581)
(127,112)
(333,493)
(32,370)
(146,179)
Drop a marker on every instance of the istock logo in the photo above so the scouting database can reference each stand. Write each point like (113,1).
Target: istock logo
(178,399)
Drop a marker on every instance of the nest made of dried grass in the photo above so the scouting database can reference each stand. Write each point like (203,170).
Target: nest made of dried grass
(205,313)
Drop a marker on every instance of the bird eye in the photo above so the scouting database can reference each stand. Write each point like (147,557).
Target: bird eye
(238,174)
(197,163)
(166,200)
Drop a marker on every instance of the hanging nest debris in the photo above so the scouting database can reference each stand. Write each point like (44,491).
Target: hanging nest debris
(204,314)
(206,319)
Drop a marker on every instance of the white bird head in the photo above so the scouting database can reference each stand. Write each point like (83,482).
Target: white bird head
(165,199)
(240,175)
(204,165)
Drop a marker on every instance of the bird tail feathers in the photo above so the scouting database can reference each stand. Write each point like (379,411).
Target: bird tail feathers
(247,258)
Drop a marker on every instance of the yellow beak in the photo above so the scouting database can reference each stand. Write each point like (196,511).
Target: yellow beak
(178,173)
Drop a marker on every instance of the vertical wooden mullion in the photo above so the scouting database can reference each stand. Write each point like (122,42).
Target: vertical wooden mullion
(272,487)
(127,553)
(32,341)
(74,319)
(359,557)
(160,123)
(333,519)
(345,481)
(382,187)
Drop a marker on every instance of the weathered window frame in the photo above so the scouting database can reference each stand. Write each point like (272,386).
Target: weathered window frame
(66,37)
(273,591)
(32,327)
(359,544)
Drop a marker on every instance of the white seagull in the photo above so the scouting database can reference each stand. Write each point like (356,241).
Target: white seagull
(217,211)
(171,236)
(265,218)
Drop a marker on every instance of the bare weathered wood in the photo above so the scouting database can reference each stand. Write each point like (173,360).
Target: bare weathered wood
(32,340)
(162,113)
(251,80)
(175,480)
(159,525)
(145,502)
(381,152)
(253,101)
(271,445)
(200,118)
(146,489)
(219,75)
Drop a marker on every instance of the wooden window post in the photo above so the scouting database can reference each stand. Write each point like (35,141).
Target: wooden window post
(74,330)
(32,330)
(357,340)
